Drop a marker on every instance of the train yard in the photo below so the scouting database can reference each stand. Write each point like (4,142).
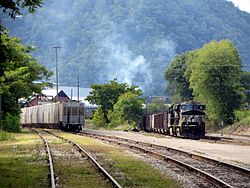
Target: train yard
(71,168)
(215,172)
(84,154)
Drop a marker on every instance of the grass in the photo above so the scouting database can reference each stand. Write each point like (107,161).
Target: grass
(5,136)
(74,171)
(78,174)
(21,164)
(125,167)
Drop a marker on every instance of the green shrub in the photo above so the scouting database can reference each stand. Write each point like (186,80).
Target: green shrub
(5,136)
(242,114)
(11,123)
(99,119)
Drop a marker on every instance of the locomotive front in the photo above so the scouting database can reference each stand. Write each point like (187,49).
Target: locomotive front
(192,119)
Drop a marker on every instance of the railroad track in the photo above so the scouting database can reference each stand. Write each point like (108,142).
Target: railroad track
(218,173)
(227,139)
(50,161)
(82,151)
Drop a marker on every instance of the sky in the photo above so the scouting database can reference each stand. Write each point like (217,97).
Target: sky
(242,4)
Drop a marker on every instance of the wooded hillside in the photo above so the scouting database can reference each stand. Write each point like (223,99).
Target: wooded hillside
(133,41)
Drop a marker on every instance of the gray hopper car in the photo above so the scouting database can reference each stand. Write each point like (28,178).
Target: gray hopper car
(66,116)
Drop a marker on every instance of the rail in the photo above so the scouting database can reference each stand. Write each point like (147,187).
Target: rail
(208,176)
(114,183)
(50,161)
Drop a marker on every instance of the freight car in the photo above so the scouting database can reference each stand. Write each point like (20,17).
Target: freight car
(185,120)
(63,115)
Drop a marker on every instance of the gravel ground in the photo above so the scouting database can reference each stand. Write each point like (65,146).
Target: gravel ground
(236,154)
(185,178)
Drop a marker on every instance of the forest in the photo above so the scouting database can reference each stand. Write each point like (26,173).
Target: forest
(133,41)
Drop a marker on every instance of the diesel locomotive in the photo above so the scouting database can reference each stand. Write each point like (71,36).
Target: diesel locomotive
(185,120)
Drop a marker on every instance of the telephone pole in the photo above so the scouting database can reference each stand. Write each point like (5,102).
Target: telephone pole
(56,47)
(78,86)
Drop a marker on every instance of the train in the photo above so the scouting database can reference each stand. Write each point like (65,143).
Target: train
(186,120)
(68,116)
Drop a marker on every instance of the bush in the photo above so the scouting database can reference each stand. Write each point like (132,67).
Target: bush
(11,123)
(98,118)
(5,136)
(242,114)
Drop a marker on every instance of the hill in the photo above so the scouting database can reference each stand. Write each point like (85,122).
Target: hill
(133,41)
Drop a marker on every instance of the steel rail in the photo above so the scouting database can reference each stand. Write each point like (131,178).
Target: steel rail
(50,161)
(192,155)
(115,184)
(207,176)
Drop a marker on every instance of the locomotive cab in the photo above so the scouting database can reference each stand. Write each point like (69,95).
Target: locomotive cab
(188,120)
(192,119)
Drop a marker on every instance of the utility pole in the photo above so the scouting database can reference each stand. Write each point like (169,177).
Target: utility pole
(78,85)
(56,47)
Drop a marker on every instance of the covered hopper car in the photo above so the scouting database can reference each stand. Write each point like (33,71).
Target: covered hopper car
(185,120)
(63,115)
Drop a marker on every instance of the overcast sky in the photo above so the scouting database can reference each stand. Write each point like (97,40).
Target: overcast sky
(242,4)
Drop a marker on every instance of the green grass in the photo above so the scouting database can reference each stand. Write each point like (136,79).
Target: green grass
(5,136)
(125,167)
(72,169)
(21,164)
(75,173)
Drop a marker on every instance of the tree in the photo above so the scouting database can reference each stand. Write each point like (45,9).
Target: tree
(215,78)
(127,109)
(98,118)
(14,7)
(120,31)
(18,69)
(156,105)
(106,95)
(178,84)
(245,82)
(18,74)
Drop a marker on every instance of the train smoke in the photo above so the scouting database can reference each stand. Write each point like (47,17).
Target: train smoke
(123,64)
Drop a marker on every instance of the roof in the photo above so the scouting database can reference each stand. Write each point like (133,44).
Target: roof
(83,93)
(62,94)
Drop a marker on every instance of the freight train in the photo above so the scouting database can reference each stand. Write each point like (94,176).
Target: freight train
(69,116)
(185,120)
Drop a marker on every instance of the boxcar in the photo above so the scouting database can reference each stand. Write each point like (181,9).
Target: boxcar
(66,116)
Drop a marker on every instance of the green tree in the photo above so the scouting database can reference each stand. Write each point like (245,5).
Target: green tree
(215,78)
(106,95)
(127,109)
(156,106)
(178,83)
(18,74)
(15,7)
(18,69)
(155,29)
(245,81)
(99,119)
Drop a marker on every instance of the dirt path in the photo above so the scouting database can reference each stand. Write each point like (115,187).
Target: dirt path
(227,152)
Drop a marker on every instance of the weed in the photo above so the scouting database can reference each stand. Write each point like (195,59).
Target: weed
(5,136)
(123,166)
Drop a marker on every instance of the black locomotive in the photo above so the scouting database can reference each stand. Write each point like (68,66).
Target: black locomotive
(185,120)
